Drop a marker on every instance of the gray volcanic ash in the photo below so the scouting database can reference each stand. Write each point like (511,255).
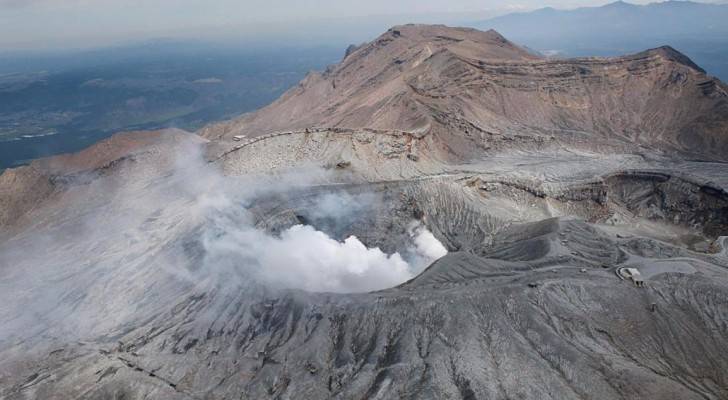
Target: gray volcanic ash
(441,215)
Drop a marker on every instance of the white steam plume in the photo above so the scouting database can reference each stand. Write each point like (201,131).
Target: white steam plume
(303,257)
(308,259)
(129,245)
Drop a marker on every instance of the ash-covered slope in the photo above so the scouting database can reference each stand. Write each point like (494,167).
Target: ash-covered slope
(166,266)
(25,188)
(139,283)
(476,89)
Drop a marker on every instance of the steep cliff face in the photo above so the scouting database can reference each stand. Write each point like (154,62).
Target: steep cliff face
(151,266)
(475,88)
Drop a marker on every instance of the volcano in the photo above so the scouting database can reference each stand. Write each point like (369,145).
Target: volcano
(577,208)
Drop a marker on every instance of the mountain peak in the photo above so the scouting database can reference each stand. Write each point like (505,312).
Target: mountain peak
(619,4)
(423,32)
(670,54)
(467,42)
(460,83)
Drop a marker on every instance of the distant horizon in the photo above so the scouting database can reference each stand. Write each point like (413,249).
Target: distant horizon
(95,27)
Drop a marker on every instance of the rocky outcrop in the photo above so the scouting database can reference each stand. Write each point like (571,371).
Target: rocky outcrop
(21,189)
(471,89)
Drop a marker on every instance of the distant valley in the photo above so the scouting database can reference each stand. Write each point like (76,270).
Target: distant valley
(63,103)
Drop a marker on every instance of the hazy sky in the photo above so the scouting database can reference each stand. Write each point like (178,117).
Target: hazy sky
(81,23)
